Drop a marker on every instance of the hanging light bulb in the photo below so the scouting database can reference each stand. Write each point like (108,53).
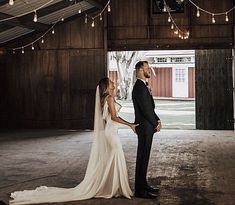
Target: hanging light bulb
(32,47)
(164,9)
(187,33)
(213,18)
(35,18)
(109,8)
(101,17)
(182,37)
(172,26)
(169,19)
(93,23)
(179,35)
(53,31)
(176,32)
(13,51)
(198,12)
(22,50)
(11,2)
(62,19)
(226,17)
(42,41)
(80,11)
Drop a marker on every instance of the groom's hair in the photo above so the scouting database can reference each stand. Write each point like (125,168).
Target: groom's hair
(139,65)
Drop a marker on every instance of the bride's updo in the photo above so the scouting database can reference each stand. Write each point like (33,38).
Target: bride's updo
(103,90)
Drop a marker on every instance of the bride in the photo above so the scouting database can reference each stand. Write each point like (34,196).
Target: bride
(106,174)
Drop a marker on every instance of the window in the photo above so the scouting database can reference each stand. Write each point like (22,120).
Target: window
(175,6)
(161,60)
(180,75)
(181,60)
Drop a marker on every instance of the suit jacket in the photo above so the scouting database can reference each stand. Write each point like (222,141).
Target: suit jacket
(144,107)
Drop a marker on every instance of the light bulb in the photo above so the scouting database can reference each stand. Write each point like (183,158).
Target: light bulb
(176,32)
(182,37)
(109,8)
(32,47)
(53,31)
(86,18)
(164,9)
(169,19)
(101,17)
(80,11)
(198,12)
(172,26)
(35,18)
(22,51)
(62,19)
(179,35)
(226,17)
(13,51)
(11,2)
(213,18)
(42,41)
(93,23)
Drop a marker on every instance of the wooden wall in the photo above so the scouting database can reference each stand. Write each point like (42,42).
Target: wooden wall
(131,26)
(54,86)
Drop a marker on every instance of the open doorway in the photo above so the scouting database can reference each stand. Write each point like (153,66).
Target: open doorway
(172,83)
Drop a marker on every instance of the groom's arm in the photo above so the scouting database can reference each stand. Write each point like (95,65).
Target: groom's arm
(141,97)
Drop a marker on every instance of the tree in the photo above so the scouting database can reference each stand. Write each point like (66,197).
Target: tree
(125,61)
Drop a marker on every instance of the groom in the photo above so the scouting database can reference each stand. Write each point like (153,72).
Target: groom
(149,123)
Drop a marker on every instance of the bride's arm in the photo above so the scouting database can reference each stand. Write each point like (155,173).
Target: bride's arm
(114,115)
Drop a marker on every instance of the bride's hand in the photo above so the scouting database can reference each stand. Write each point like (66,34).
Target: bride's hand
(133,126)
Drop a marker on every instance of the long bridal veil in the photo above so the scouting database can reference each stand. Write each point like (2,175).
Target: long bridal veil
(93,184)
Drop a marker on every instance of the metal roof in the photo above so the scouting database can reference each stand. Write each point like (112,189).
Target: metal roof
(50,13)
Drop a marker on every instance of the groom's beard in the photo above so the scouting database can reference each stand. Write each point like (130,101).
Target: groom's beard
(146,75)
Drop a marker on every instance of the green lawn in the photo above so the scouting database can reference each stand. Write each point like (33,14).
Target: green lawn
(174,114)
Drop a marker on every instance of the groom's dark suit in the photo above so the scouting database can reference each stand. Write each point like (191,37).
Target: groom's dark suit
(147,120)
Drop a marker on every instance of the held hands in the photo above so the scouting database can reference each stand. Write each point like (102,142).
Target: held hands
(159,126)
(133,126)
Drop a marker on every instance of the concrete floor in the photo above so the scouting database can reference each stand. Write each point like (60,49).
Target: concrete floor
(191,167)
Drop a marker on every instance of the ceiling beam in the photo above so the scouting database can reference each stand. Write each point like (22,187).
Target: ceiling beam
(95,4)
(18,22)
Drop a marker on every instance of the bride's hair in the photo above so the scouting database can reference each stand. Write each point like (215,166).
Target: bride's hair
(103,90)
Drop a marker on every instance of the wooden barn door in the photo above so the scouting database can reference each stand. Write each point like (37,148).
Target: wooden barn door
(214,89)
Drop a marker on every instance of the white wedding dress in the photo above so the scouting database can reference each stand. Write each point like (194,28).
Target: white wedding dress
(106,175)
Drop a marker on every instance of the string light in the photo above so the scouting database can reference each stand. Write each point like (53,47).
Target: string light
(93,23)
(61,18)
(109,8)
(169,19)
(80,11)
(181,34)
(213,18)
(11,2)
(212,14)
(226,17)
(198,12)
(35,18)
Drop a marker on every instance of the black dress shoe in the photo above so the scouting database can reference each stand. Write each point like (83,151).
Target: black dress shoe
(152,189)
(145,195)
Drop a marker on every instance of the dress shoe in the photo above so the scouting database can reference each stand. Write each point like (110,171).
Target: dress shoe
(145,195)
(152,189)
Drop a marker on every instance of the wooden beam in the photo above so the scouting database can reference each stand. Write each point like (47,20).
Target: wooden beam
(94,3)
(17,22)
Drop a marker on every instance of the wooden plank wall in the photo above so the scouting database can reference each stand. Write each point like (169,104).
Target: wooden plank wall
(214,92)
(131,26)
(191,82)
(54,86)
